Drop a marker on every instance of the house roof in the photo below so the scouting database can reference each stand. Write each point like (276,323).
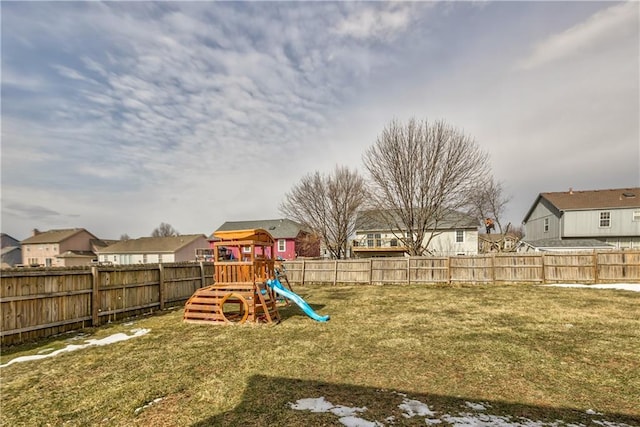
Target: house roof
(77,254)
(591,199)
(54,236)
(8,240)
(279,228)
(374,220)
(152,244)
(255,235)
(8,249)
(586,244)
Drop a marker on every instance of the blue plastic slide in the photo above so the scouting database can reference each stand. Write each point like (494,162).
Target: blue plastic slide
(281,290)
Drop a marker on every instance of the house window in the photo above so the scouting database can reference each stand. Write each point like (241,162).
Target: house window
(47,262)
(459,236)
(370,240)
(115,258)
(159,257)
(546,225)
(282,245)
(394,242)
(605,219)
(636,216)
(378,241)
(144,258)
(246,249)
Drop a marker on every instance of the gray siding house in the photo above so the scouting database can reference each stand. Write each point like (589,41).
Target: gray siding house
(579,220)
(11,251)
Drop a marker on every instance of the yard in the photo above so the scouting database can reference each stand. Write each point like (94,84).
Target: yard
(390,355)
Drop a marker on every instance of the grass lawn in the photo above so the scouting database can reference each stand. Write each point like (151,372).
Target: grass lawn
(507,352)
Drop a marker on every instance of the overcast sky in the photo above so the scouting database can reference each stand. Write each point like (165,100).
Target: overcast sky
(119,116)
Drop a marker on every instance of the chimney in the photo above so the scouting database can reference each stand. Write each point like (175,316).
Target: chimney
(570,190)
(35,232)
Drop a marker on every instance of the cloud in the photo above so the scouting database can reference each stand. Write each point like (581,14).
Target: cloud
(383,20)
(33,212)
(593,35)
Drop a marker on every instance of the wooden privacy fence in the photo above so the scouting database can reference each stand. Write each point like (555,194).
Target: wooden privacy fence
(587,268)
(38,303)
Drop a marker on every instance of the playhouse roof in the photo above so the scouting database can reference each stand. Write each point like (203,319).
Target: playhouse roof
(254,234)
(281,228)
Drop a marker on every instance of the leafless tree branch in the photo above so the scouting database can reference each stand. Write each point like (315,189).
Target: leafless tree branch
(328,205)
(421,173)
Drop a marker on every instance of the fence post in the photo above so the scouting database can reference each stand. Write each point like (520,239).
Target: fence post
(493,268)
(161,289)
(370,270)
(595,267)
(202,276)
(303,269)
(335,272)
(95,297)
(544,278)
(449,270)
(408,270)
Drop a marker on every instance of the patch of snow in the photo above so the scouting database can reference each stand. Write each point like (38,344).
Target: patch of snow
(610,424)
(140,409)
(73,347)
(312,404)
(476,406)
(635,287)
(483,420)
(45,350)
(346,411)
(358,422)
(78,337)
(414,408)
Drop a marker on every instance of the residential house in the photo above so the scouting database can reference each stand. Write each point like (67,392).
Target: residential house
(11,251)
(154,250)
(60,248)
(583,220)
(292,240)
(456,235)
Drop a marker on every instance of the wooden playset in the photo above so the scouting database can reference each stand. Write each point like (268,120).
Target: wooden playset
(242,266)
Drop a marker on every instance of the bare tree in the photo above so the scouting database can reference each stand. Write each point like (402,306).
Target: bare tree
(421,174)
(489,203)
(164,230)
(328,205)
(124,237)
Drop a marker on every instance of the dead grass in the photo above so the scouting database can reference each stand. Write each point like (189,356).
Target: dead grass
(530,351)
